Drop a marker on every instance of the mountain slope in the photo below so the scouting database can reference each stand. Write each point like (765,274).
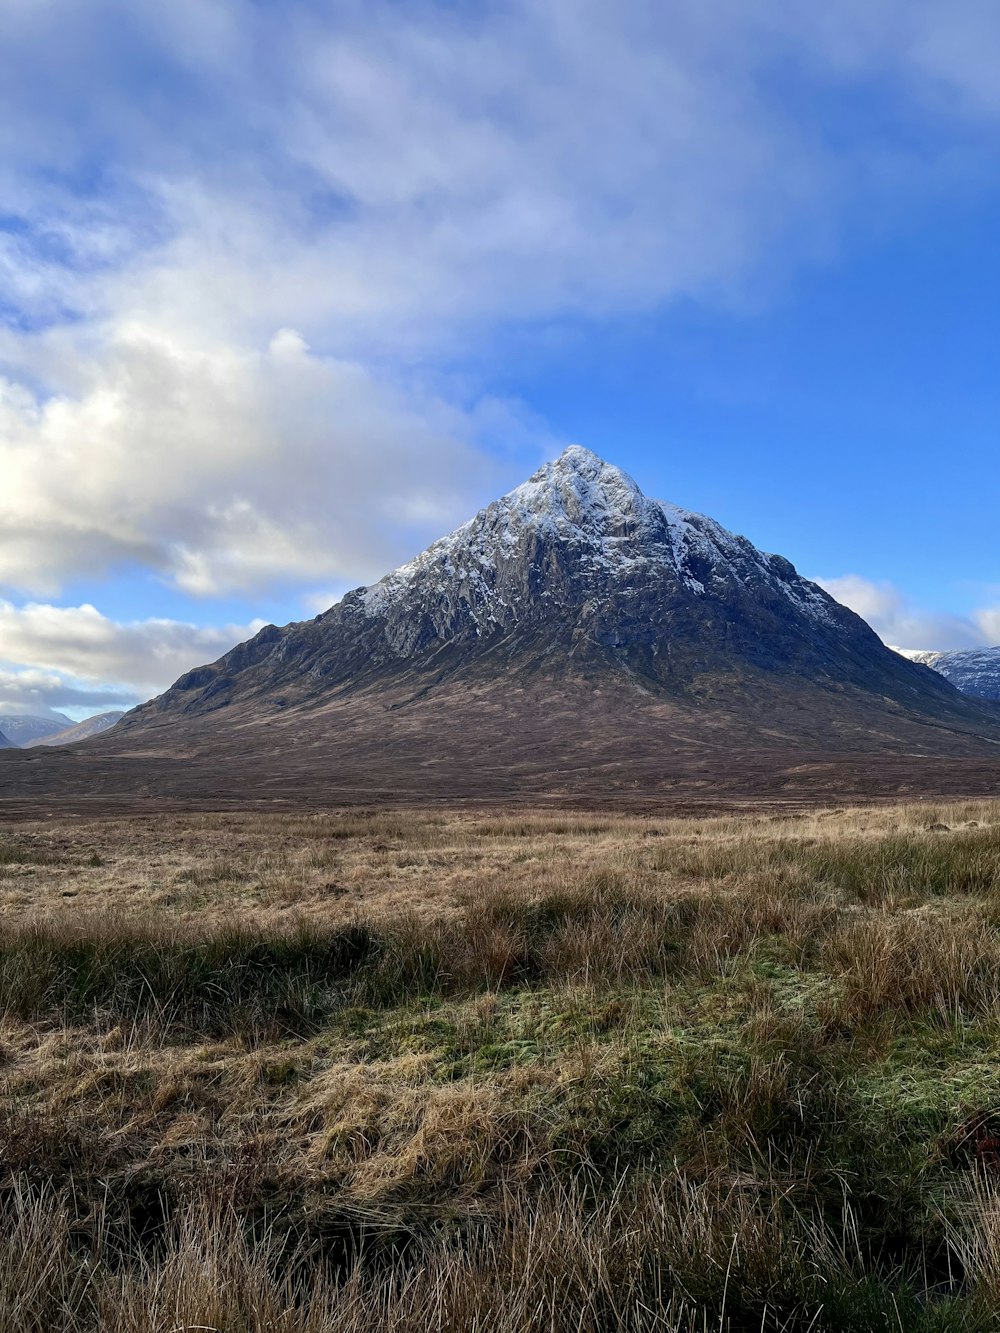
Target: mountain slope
(6,744)
(575,601)
(974,671)
(78,731)
(26,729)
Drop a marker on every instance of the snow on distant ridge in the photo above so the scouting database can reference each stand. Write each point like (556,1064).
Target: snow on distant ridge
(974,671)
(23,729)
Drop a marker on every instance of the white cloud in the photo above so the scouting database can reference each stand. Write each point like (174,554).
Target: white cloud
(902,625)
(317,600)
(225,469)
(385,172)
(201,189)
(403,186)
(68,658)
(46,693)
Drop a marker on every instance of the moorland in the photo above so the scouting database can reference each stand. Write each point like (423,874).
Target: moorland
(434,1069)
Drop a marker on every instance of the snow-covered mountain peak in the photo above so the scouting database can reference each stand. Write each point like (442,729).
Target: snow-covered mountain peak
(582,490)
(576,497)
(576,530)
(24,729)
(576,502)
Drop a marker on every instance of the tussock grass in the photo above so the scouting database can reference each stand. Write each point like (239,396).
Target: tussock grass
(680,1257)
(890,962)
(866,869)
(510,1072)
(613,927)
(236,979)
(291,977)
(21,852)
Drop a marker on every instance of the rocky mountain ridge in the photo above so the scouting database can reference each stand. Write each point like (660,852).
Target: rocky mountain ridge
(974,671)
(24,729)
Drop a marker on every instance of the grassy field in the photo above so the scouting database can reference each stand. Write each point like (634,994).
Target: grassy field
(414,1071)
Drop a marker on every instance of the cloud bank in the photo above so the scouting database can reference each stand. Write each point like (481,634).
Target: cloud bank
(76,660)
(900,624)
(222,469)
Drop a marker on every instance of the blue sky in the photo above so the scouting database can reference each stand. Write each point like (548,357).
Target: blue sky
(287,291)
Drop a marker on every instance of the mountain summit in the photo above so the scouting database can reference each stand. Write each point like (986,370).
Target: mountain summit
(575,576)
(579,539)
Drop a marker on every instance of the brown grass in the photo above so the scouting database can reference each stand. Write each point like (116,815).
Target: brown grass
(445,1071)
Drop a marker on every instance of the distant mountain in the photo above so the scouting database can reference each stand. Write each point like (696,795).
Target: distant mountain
(974,671)
(574,624)
(78,731)
(26,729)
(6,744)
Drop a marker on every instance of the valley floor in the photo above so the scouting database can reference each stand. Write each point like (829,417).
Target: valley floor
(500,1072)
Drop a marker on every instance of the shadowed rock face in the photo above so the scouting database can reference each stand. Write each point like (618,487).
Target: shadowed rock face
(574,575)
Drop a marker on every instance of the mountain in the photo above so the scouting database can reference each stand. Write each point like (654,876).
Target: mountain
(78,731)
(6,744)
(27,729)
(974,671)
(575,642)
(573,624)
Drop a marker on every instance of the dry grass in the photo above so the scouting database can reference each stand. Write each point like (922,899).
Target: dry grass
(331,866)
(424,1071)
